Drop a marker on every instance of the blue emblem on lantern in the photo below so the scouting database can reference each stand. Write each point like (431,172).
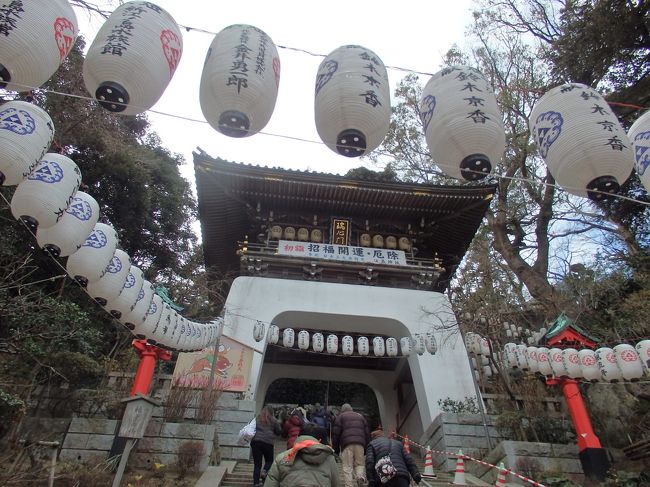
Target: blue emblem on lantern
(17,121)
(426,111)
(48,172)
(548,128)
(96,240)
(130,281)
(330,67)
(80,209)
(114,266)
(642,152)
(153,308)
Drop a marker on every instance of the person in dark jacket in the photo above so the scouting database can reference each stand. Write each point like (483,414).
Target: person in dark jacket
(291,428)
(350,436)
(308,464)
(266,429)
(403,463)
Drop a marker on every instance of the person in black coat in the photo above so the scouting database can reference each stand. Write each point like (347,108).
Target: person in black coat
(402,462)
(350,436)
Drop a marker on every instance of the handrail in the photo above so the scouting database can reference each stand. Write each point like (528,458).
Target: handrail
(460,454)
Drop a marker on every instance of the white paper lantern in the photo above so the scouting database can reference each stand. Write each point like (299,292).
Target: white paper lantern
(352,101)
(133,58)
(582,141)
(288,337)
(42,198)
(473,342)
(127,298)
(332,344)
(152,318)
(363,346)
(531,355)
(178,333)
(378,347)
(67,235)
(406,346)
(462,123)
(643,349)
(589,365)
(430,342)
(258,331)
(639,135)
(240,80)
(347,345)
(521,356)
(318,342)
(484,346)
(607,363)
(544,362)
(391,347)
(26,132)
(510,355)
(170,340)
(138,313)
(557,363)
(37,38)
(487,371)
(571,362)
(419,345)
(273,335)
(162,328)
(89,262)
(110,285)
(303,340)
(628,361)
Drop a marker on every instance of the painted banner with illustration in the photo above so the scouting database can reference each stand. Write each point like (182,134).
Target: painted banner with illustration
(231,370)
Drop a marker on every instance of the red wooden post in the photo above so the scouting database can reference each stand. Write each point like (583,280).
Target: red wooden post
(592,455)
(148,355)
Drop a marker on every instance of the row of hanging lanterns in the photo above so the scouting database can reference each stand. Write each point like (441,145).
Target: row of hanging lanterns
(66,221)
(135,54)
(622,362)
(419,343)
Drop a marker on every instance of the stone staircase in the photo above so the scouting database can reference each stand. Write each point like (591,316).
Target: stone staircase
(242,476)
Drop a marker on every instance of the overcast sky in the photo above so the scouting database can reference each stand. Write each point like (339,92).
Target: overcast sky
(411,34)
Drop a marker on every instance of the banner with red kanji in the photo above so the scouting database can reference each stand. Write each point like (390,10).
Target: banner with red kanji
(231,370)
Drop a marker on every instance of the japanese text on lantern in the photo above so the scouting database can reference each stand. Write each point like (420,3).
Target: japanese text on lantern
(606,124)
(239,69)
(118,40)
(9,15)
(371,79)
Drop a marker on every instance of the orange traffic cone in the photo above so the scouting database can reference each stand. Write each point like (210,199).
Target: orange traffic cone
(407,445)
(459,476)
(428,465)
(501,479)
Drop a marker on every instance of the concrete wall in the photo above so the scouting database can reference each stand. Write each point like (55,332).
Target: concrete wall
(451,432)
(535,457)
(91,440)
(364,309)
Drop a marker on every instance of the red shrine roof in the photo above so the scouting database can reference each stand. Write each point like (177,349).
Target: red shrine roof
(229,194)
(565,333)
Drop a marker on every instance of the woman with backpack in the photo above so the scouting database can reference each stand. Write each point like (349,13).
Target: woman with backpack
(387,464)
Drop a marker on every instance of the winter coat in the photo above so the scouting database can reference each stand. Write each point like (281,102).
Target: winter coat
(402,461)
(308,464)
(291,429)
(266,433)
(350,428)
(320,418)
